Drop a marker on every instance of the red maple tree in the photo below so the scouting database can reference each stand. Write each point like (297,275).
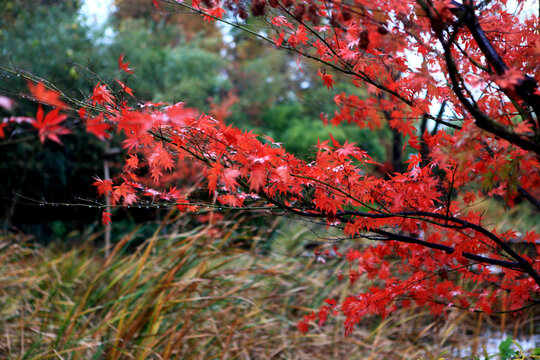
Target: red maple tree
(479,67)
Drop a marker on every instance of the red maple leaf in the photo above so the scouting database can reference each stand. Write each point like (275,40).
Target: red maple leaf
(279,39)
(133,162)
(46,96)
(229,178)
(98,127)
(49,125)
(125,87)
(213,13)
(257,178)
(327,79)
(414,161)
(106,218)
(104,187)
(101,95)
(124,65)
(281,21)
(509,79)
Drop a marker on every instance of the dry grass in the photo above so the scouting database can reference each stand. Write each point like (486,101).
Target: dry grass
(192,296)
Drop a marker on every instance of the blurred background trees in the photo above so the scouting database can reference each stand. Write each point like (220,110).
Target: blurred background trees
(178,57)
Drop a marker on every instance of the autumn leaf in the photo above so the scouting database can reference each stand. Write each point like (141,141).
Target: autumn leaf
(98,127)
(132,162)
(124,87)
(124,66)
(106,218)
(509,79)
(524,127)
(104,187)
(101,95)
(213,13)
(347,149)
(49,125)
(414,160)
(278,41)
(327,79)
(299,37)
(46,96)
(257,178)
(229,178)
(281,21)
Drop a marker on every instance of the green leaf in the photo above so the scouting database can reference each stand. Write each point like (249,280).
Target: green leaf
(505,349)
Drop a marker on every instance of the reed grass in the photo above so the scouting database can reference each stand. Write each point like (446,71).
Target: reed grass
(191,295)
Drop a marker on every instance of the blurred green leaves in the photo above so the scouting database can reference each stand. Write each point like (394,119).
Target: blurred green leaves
(52,40)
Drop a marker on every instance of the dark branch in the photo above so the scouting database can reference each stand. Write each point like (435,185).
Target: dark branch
(527,195)
(527,86)
(514,265)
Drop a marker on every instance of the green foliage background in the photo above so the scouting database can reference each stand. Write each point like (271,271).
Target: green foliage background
(54,41)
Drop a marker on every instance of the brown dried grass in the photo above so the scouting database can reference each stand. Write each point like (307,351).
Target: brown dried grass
(190,295)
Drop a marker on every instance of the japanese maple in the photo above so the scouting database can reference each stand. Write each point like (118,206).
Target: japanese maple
(469,109)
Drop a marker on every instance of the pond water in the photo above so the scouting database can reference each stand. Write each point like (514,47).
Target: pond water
(492,341)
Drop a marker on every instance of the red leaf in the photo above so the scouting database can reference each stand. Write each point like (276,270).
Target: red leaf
(281,21)
(279,39)
(98,127)
(106,218)
(132,162)
(414,160)
(101,95)
(124,65)
(46,96)
(104,187)
(49,127)
(327,79)
(124,87)
(229,178)
(213,13)
(257,178)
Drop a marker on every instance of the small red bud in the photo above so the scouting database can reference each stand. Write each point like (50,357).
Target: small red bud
(287,3)
(364,40)
(299,11)
(257,7)
(382,30)
(242,13)
(312,15)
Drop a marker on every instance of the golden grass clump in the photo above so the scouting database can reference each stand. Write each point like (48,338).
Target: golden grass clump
(191,295)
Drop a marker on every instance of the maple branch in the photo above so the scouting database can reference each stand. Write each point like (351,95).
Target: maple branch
(514,265)
(346,68)
(28,76)
(482,120)
(520,264)
(523,264)
(527,195)
(534,302)
(526,87)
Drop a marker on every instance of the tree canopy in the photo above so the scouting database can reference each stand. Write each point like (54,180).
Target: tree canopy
(468,110)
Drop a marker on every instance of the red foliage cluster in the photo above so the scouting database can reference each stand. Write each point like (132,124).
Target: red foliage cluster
(483,144)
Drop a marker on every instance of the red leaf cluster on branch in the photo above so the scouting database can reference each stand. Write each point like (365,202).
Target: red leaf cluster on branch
(479,61)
